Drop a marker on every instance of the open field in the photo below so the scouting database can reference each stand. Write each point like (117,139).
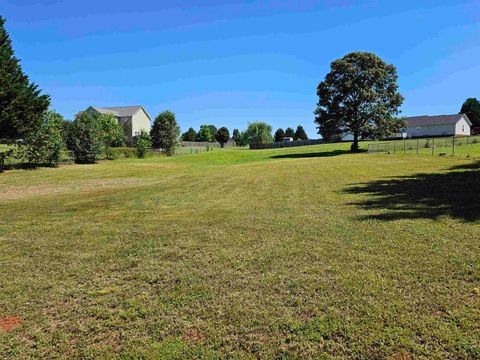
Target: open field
(305,252)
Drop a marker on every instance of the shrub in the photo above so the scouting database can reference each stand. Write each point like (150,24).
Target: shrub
(122,153)
(143,144)
(165,132)
(44,145)
(86,138)
(258,133)
(111,131)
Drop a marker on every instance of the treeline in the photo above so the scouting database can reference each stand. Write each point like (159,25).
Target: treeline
(298,134)
(208,133)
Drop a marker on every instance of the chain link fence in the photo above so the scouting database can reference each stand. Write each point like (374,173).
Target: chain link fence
(465,146)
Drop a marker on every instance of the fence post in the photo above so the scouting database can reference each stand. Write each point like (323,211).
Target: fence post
(453,145)
(433,146)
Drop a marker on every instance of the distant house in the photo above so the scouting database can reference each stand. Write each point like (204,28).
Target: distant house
(133,119)
(287,139)
(439,125)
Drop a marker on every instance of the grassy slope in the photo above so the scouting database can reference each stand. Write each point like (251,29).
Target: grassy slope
(235,252)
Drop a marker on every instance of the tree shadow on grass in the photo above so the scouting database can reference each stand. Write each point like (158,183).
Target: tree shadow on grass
(429,196)
(311,155)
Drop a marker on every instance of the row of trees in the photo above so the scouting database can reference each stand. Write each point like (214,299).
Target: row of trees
(298,134)
(207,133)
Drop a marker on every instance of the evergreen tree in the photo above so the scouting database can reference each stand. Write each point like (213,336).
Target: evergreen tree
(300,133)
(165,132)
(279,135)
(21,105)
(237,136)
(289,132)
(86,138)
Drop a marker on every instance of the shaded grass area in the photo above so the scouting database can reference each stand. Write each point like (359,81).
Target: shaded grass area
(234,253)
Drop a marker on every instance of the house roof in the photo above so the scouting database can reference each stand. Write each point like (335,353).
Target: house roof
(426,120)
(120,111)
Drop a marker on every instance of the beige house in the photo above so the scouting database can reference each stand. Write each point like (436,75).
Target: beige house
(133,119)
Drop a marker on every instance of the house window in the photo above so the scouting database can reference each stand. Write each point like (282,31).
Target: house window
(463,128)
(137,133)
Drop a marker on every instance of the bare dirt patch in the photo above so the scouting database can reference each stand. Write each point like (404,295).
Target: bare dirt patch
(9,323)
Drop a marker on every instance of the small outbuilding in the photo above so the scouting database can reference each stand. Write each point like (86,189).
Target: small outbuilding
(438,125)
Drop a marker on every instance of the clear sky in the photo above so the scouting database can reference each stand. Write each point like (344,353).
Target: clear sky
(228,62)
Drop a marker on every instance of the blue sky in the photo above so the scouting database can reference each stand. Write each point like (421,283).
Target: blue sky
(230,62)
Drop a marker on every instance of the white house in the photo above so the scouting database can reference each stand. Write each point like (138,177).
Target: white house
(438,125)
(133,119)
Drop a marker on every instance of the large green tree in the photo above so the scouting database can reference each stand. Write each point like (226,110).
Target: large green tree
(21,104)
(165,132)
(258,133)
(205,134)
(222,136)
(189,135)
(300,133)
(471,107)
(279,135)
(360,96)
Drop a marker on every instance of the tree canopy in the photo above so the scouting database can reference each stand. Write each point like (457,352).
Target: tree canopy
(222,136)
(289,132)
(471,108)
(165,132)
(300,133)
(237,136)
(258,133)
(189,135)
(86,138)
(359,96)
(279,135)
(205,134)
(21,103)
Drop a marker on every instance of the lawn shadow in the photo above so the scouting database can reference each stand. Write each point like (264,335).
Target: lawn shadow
(424,195)
(311,155)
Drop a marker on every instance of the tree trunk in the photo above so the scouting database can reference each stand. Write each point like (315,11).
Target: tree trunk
(355,147)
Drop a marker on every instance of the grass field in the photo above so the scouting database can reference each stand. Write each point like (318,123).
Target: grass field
(305,252)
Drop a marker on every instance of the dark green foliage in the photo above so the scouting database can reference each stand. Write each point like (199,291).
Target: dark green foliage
(359,96)
(222,136)
(86,138)
(213,130)
(300,133)
(46,143)
(165,132)
(21,105)
(190,135)
(258,133)
(328,130)
(471,108)
(237,136)
(279,135)
(67,127)
(143,144)
(289,132)
(205,134)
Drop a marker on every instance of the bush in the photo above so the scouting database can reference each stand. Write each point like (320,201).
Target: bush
(143,144)
(86,138)
(44,145)
(122,153)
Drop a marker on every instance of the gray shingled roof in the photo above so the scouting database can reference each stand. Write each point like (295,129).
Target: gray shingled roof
(425,120)
(120,111)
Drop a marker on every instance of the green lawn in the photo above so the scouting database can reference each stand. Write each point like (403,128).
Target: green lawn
(305,252)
